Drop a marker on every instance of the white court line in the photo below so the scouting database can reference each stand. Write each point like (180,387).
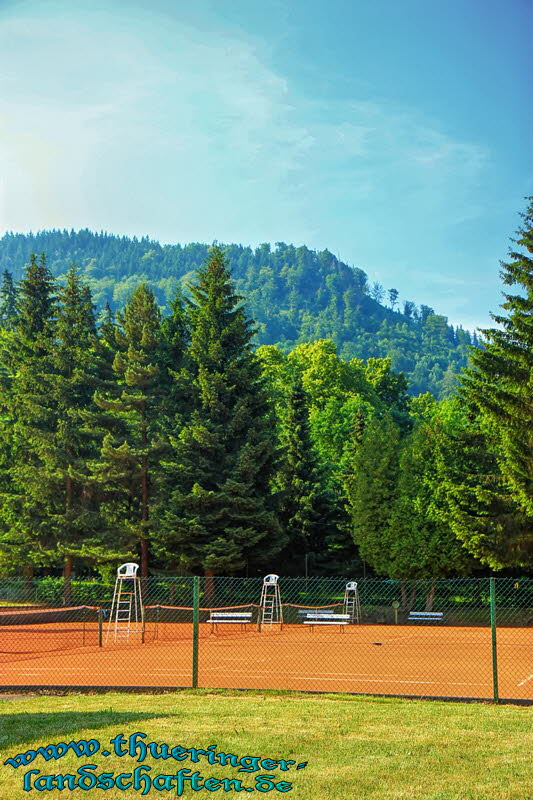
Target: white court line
(316,675)
(416,683)
(355,677)
(75,669)
(525,681)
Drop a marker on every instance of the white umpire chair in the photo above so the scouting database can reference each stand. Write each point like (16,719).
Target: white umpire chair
(126,616)
(352,604)
(271,612)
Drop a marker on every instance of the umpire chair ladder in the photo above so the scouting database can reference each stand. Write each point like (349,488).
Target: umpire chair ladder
(126,609)
(271,612)
(352,604)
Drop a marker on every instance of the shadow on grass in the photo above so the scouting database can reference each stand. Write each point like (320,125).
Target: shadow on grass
(57,726)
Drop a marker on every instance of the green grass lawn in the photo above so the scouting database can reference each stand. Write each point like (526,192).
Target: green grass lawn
(355,748)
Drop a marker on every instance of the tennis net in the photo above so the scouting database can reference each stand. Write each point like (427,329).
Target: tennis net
(27,632)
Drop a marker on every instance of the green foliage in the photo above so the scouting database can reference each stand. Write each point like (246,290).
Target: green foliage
(479,506)
(37,301)
(174,431)
(499,384)
(397,503)
(221,517)
(372,491)
(338,391)
(423,543)
(295,295)
(8,302)
(308,510)
(128,466)
(50,591)
(28,422)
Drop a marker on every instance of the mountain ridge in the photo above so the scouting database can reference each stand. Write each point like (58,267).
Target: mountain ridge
(294,294)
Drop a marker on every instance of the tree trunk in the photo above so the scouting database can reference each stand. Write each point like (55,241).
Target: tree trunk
(144,505)
(431,596)
(408,602)
(209,595)
(67,584)
(144,557)
(27,572)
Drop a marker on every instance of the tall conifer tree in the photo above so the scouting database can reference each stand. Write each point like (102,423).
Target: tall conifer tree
(479,505)
(28,420)
(372,489)
(498,388)
(422,541)
(77,358)
(499,384)
(8,302)
(307,513)
(221,517)
(130,453)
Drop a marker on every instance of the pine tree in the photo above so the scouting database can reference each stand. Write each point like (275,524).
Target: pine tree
(498,392)
(372,489)
(8,302)
(28,422)
(307,513)
(477,502)
(499,383)
(37,300)
(78,358)
(221,517)
(128,467)
(423,543)
(175,366)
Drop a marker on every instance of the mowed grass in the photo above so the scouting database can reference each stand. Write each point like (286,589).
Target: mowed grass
(357,748)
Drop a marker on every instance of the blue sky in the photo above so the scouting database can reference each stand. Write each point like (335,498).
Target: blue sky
(391,132)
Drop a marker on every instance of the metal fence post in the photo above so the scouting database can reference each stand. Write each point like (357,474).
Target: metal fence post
(100,617)
(195,628)
(493,634)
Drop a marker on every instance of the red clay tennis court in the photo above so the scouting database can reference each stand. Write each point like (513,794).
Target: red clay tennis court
(412,660)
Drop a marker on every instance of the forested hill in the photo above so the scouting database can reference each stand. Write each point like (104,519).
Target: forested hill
(294,294)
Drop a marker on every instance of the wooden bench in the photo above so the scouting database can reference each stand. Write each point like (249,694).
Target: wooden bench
(425,616)
(325,618)
(242,618)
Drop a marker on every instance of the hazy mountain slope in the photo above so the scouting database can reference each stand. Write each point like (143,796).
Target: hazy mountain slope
(293,293)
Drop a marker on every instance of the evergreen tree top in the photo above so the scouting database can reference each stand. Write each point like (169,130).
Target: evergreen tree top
(8,301)
(37,301)
(506,362)
(499,383)
(222,332)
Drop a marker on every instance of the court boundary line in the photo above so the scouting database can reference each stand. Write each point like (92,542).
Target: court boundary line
(299,677)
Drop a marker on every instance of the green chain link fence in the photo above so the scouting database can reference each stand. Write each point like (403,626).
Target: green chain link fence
(468,638)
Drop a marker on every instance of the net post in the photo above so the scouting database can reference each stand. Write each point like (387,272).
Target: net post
(100,627)
(492,582)
(195,628)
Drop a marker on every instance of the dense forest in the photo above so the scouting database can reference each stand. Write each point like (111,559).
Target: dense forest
(295,295)
(175,440)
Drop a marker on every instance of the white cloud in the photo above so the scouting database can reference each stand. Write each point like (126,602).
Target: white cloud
(203,111)
(145,124)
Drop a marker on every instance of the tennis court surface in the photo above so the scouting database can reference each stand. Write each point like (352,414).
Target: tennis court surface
(370,659)
(457,638)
